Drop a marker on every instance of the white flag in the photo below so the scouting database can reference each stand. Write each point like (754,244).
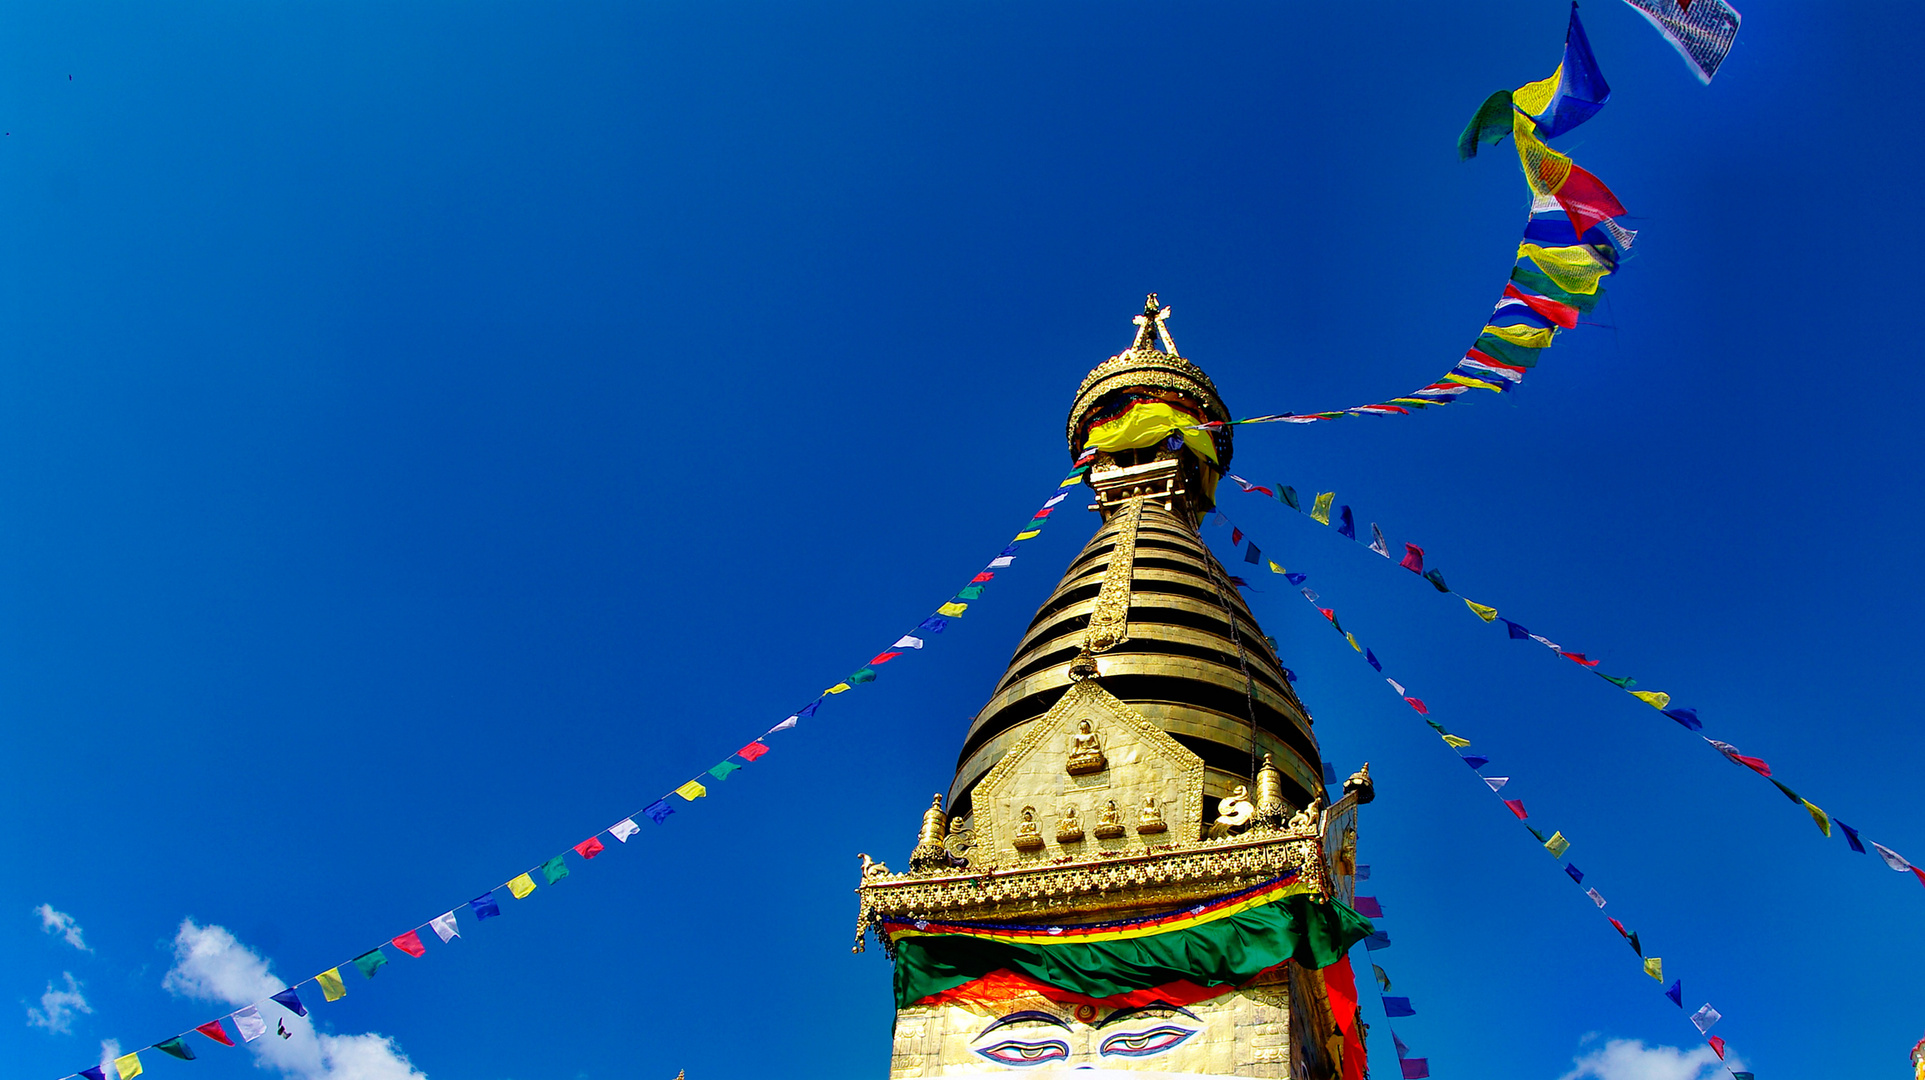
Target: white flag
(1056,500)
(1310,596)
(624,829)
(1497,782)
(908,641)
(1706,1017)
(1892,858)
(1378,544)
(1397,686)
(1001,561)
(1596,897)
(1547,643)
(444,927)
(250,1023)
(783,726)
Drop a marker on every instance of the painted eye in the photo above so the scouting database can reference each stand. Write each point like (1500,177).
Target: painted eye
(1144,1043)
(1011,1052)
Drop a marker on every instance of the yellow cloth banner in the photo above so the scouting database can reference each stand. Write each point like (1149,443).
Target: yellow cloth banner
(128,1066)
(1545,169)
(1657,699)
(691,791)
(1147,423)
(1484,611)
(332,988)
(953,609)
(1535,97)
(1474,384)
(836,689)
(1071,482)
(1823,819)
(1352,638)
(1654,967)
(1530,337)
(1557,845)
(522,886)
(1029,534)
(1320,511)
(1275,569)
(1574,269)
(1457,741)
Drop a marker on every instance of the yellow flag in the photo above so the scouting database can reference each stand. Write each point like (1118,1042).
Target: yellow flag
(1557,845)
(128,1066)
(692,790)
(1484,611)
(1352,638)
(1654,967)
(1029,534)
(1320,511)
(1535,97)
(1072,481)
(1657,699)
(1574,269)
(1474,384)
(953,609)
(331,986)
(1544,168)
(1275,569)
(522,886)
(836,689)
(1823,819)
(1530,337)
(1457,741)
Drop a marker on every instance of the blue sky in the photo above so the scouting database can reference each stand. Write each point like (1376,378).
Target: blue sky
(428,434)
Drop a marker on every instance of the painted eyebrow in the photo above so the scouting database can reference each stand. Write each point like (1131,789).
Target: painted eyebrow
(1030,1016)
(1137,1010)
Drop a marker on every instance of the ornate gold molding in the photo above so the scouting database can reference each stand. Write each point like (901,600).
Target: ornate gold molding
(1109,622)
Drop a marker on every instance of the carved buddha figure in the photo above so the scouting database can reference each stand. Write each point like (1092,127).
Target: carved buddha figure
(1109,822)
(1029,835)
(1150,818)
(1069,828)
(1086,751)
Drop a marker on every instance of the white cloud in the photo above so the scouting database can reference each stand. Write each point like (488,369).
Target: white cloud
(212,965)
(1630,1059)
(109,1050)
(57,1007)
(59,922)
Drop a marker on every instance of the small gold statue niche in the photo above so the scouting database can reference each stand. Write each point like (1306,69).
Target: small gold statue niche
(1109,822)
(1029,835)
(1149,820)
(1069,828)
(1086,751)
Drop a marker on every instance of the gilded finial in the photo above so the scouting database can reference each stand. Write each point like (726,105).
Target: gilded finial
(1270,804)
(1361,783)
(1154,320)
(929,850)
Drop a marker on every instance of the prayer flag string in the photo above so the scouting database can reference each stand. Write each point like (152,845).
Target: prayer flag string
(1686,717)
(1412,1068)
(1557,845)
(250,1023)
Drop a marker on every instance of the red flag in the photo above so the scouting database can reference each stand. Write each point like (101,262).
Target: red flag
(589,848)
(1585,198)
(1622,932)
(1041,514)
(1488,360)
(883,658)
(1418,705)
(1329,613)
(1578,658)
(1920,873)
(213,1030)
(1562,314)
(1717,1046)
(752,751)
(1413,559)
(1517,807)
(984,576)
(1756,765)
(410,943)
(1236,536)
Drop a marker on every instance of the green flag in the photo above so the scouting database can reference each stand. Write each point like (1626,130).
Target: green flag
(177,1047)
(722,771)
(554,869)
(370,962)
(1621,684)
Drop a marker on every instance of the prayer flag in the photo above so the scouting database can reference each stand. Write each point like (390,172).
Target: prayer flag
(1320,510)
(213,1030)
(1395,685)
(866,675)
(1352,638)
(1516,807)
(1596,897)
(998,563)
(1414,703)
(1705,1017)
(659,810)
(1497,782)
(128,1066)
(1490,124)
(1368,907)
(692,790)
(907,641)
(1028,534)
(1687,717)
(1756,765)
(952,609)
(836,689)
(1377,940)
(1657,699)
(1054,499)
(444,927)
(1624,683)
(1818,816)
(1457,740)
(752,751)
(1676,993)
(967,592)
(177,1047)
(1383,977)
(1398,1006)
(1415,1068)
(1296,579)
(250,1024)
(1363,871)
(1717,1046)
(409,943)
(1399,1043)
(95,1073)
(1557,845)
(1701,30)
(1236,537)
(624,829)
(721,770)
(291,1001)
(1851,837)
(1346,524)
(1517,632)
(1289,496)
(1744,1076)
(484,906)
(521,886)
(1476,761)
(883,658)
(1253,554)
(1654,967)
(1574,92)
(1072,479)
(1622,932)
(1329,774)
(1635,946)
(332,988)
(934,624)
(1413,559)
(1892,858)
(1377,542)
(1436,577)
(1274,568)
(374,959)
(1482,611)
(1540,836)
(1371,659)
(1576,874)
(554,869)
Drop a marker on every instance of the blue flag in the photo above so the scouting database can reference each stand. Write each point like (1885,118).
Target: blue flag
(935,624)
(1676,993)
(1398,1006)
(1851,836)
(1296,579)
(1687,717)
(1576,874)
(1517,632)
(1329,774)
(1377,940)
(1580,90)
(1372,658)
(1347,525)
(95,1073)
(659,810)
(809,709)
(1363,871)
(484,906)
(1252,555)
(1288,675)
(1476,761)
(292,1001)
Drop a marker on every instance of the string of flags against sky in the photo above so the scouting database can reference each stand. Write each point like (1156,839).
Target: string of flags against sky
(1413,560)
(1411,1068)
(1557,844)
(251,1023)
